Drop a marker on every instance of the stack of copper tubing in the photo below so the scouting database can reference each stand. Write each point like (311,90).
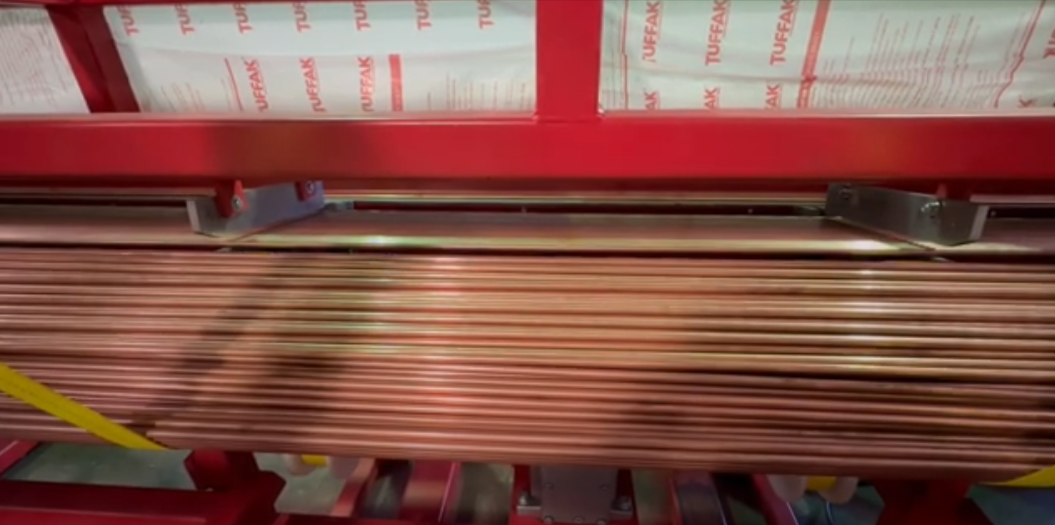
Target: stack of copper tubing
(806,367)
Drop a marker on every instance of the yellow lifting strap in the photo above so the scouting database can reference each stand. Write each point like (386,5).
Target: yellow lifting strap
(314,460)
(819,483)
(20,387)
(1038,479)
(25,389)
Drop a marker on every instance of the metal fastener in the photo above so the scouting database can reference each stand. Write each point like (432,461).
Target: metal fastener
(309,187)
(602,522)
(931,209)
(624,504)
(236,203)
(524,499)
(548,520)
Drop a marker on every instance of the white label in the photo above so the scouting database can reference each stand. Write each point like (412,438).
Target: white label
(787,54)
(35,76)
(350,58)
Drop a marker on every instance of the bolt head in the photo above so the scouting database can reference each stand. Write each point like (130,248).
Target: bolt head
(624,504)
(236,203)
(931,209)
(524,499)
(548,520)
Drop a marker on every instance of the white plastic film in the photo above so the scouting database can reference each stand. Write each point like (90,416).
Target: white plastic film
(35,76)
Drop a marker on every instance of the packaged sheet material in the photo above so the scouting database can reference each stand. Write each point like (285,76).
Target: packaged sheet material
(787,54)
(337,57)
(361,58)
(35,76)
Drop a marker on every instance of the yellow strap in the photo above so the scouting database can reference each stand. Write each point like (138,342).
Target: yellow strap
(1040,478)
(819,483)
(43,398)
(313,460)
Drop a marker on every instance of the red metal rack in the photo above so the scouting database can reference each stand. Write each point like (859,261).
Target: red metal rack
(567,137)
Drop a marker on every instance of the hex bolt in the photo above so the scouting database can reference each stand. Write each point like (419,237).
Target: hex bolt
(309,187)
(624,504)
(524,499)
(548,520)
(236,203)
(846,193)
(931,209)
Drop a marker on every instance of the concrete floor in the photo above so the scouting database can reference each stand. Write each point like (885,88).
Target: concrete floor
(484,495)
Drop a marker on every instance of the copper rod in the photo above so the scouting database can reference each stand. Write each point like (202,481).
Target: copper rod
(857,368)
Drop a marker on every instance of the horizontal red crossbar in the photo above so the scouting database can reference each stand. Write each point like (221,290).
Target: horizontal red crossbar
(736,145)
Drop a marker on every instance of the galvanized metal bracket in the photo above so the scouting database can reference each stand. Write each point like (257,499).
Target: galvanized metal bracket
(575,495)
(915,217)
(256,209)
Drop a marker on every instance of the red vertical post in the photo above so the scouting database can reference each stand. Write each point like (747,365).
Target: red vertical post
(568,59)
(775,510)
(77,45)
(104,48)
(354,491)
(928,503)
(219,470)
(425,496)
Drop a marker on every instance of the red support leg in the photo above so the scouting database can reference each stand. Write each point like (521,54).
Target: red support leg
(521,485)
(351,496)
(427,490)
(216,470)
(928,503)
(775,510)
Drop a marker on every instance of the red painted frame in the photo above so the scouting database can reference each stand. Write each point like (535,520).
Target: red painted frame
(566,139)
(11,452)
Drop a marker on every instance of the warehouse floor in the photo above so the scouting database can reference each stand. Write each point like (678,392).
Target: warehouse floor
(484,494)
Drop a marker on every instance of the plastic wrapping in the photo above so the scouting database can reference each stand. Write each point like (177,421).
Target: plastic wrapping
(367,58)
(35,76)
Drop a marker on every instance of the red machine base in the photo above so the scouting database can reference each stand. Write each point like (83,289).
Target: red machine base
(232,490)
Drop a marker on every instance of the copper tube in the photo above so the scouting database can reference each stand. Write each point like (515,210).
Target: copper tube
(855,368)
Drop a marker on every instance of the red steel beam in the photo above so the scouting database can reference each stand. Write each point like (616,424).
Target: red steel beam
(731,146)
(38,503)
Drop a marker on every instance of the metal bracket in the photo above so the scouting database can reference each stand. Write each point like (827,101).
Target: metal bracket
(578,495)
(256,208)
(911,216)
